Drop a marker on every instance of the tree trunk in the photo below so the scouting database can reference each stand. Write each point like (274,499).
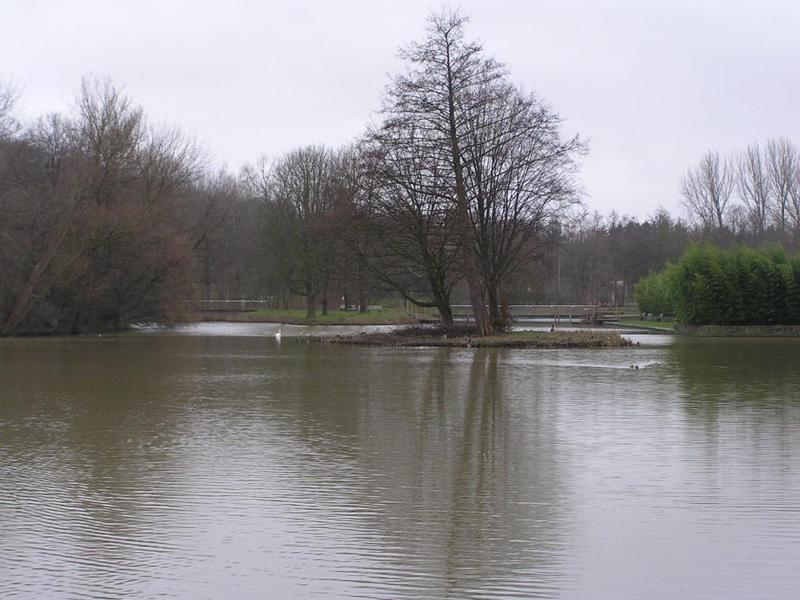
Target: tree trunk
(311,301)
(494,306)
(325,299)
(477,295)
(23,300)
(473,275)
(363,299)
(445,312)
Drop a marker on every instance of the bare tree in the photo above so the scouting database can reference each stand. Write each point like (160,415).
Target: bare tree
(220,221)
(92,218)
(410,243)
(507,171)
(8,99)
(793,208)
(50,193)
(520,178)
(783,166)
(167,161)
(298,204)
(352,187)
(753,185)
(707,190)
(435,97)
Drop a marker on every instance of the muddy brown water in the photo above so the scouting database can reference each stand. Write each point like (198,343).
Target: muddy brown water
(215,462)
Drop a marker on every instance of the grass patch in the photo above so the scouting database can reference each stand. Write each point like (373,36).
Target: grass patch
(661,325)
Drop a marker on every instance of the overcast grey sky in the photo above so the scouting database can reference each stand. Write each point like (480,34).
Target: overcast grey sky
(651,84)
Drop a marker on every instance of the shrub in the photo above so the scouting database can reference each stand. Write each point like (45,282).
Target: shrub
(654,294)
(711,286)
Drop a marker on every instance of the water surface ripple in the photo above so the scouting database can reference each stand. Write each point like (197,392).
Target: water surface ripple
(218,463)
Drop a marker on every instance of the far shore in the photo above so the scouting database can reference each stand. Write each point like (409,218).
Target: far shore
(784,331)
(427,331)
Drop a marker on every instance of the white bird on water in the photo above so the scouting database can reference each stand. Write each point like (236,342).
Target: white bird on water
(278,336)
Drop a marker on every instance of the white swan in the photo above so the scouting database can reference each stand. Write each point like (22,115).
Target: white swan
(278,336)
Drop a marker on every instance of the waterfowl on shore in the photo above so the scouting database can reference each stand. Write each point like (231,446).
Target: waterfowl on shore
(278,336)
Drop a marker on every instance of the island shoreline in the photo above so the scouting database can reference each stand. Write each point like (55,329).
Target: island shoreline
(461,337)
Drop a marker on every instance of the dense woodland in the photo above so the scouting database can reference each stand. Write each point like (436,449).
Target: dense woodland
(464,190)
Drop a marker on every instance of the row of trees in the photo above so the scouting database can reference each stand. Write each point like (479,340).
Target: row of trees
(737,286)
(592,259)
(463,189)
(107,220)
(465,180)
(458,181)
(756,190)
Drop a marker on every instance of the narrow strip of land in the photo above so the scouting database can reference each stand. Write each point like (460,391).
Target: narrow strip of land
(460,338)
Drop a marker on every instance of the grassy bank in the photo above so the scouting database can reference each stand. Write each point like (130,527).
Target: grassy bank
(389,316)
(461,338)
(740,330)
(716,330)
(653,325)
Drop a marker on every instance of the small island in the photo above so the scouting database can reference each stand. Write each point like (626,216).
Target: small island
(466,337)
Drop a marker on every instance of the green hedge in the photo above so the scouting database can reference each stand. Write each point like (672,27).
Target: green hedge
(654,294)
(711,286)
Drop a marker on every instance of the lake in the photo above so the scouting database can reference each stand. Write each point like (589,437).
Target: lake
(216,462)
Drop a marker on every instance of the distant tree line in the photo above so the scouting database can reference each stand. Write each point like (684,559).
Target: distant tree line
(756,191)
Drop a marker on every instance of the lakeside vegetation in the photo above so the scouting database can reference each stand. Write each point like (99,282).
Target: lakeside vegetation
(666,325)
(728,287)
(740,331)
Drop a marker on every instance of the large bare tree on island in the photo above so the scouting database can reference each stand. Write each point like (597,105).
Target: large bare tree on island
(507,167)
(520,174)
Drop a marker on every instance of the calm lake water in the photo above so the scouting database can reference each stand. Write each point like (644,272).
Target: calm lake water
(218,463)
